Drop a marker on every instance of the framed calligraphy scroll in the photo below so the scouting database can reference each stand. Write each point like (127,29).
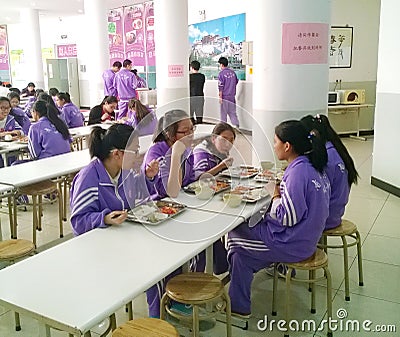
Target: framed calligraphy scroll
(340,47)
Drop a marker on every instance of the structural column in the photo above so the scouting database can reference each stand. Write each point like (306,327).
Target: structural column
(289,82)
(172,54)
(32,47)
(97,47)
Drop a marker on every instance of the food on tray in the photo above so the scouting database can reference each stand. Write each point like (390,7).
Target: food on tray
(168,210)
(216,185)
(155,212)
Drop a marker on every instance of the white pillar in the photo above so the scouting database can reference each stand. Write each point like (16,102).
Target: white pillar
(284,91)
(97,47)
(32,47)
(172,54)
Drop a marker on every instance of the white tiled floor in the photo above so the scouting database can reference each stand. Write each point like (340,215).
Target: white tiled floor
(377,215)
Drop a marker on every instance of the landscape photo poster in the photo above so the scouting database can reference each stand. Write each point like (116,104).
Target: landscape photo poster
(115,35)
(212,39)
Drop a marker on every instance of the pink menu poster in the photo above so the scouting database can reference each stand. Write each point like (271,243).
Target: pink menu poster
(134,34)
(149,25)
(4,61)
(305,43)
(115,35)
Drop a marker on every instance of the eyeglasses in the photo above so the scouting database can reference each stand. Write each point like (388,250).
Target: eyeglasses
(187,132)
(5,107)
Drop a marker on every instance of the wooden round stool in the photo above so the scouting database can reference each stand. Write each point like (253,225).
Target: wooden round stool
(149,327)
(37,191)
(11,250)
(195,289)
(344,230)
(319,260)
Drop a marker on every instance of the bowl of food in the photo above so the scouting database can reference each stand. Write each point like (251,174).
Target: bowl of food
(8,138)
(232,200)
(266,165)
(204,192)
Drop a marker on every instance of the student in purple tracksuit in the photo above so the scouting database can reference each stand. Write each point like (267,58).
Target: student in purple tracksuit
(19,115)
(141,117)
(49,136)
(99,192)
(53,93)
(172,149)
(108,79)
(212,156)
(32,99)
(340,169)
(126,83)
(70,113)
(291,230)
(227,81)
(141,81)
(8,125)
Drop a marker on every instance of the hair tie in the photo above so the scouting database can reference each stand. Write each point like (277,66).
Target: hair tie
(318,118)
(311,135)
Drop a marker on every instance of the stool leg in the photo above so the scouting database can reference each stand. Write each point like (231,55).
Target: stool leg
(311,277)
(129,309)
(10,215)
(328,297)
(325,243)
(228,314)
(196,330)
(346,268)
(113,322)
(359,257)
(17,322)
(65,200)
(274,290)
(60,212)
(14,231)
(35,218)
(287,304)
(40,213)
(164,300)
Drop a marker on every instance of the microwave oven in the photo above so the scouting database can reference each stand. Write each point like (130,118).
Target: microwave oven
(333,98)
(352,96)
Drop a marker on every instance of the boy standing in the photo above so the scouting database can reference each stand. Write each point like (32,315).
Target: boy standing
(227,81)
(196,81)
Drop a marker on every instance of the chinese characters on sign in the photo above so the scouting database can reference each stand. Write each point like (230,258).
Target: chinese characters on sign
(304,43)
(175,70)
(67,50)
(340,47)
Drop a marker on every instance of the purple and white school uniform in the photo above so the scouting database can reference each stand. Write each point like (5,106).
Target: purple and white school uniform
(161,151)
(72,116)
(28,106)
(9,124)
(203,161)
(45,141)
(146,126)
(141,82)
(126,83)
(21,118)
(94,195)
(108,79)
(227,81)
(340,189)
(288,233)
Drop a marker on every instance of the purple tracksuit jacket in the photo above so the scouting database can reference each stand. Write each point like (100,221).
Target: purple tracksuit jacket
(21,118)
(93,195)
(203,161)
(45,141)
(126,83)
(144,127)
(108,79)
(340,189)
(227,81)
(72,116)
(10,125)
(162,152)
(28,105)
(289,233)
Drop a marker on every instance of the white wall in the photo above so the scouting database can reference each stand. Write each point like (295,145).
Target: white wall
(386,161)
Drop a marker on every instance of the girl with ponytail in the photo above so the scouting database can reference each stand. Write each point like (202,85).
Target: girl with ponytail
(49,136)
(294,224)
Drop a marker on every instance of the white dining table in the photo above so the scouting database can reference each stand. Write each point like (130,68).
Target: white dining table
(104,269)
(10,148)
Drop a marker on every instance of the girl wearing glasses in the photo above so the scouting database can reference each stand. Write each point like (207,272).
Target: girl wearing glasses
(141,117)
(20,116)
(70,113)
(172,149)
(100,192)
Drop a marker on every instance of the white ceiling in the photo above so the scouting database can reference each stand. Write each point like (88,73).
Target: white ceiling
(10,9)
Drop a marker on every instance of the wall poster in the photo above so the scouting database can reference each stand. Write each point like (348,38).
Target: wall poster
(115,34)
(4,59)
(134,38)
(340,47)
(212,39)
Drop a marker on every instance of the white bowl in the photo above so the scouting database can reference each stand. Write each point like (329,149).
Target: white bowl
(266,165)
(204,192)
(232,200)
